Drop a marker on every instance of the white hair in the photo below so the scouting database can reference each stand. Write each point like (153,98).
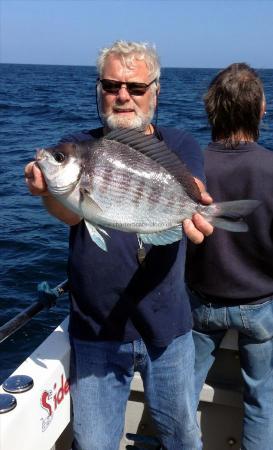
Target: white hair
(128,51)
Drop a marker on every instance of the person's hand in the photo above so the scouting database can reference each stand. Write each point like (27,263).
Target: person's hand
(37,186)
(35,180)
(198,228)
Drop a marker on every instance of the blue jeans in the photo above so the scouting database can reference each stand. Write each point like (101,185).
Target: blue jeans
(101,373)
(255,341)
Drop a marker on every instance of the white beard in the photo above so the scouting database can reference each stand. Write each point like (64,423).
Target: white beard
(114,121)
(140,119)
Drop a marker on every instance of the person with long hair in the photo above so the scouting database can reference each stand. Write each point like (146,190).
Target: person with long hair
(230,275)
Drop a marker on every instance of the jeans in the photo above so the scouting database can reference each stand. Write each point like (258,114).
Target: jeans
(255,341)
(101,373)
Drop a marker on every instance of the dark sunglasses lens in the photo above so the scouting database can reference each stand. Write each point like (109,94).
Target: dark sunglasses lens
(111,86)
(137,88)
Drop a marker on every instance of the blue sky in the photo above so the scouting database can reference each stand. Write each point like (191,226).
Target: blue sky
(187,33)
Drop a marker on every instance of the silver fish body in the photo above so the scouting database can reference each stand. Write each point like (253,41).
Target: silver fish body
(129,182)
(133,192)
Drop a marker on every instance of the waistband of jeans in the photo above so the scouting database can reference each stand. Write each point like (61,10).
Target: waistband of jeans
(211,299)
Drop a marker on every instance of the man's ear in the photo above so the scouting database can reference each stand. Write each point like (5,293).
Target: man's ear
(263,108)
(157,94)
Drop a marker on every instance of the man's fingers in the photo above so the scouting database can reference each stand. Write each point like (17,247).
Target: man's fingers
(192,232)
(197,228)
(35,180)
(206,198)
(29,171)
(202,224)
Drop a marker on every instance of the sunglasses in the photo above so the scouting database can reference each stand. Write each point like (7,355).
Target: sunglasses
(133,88)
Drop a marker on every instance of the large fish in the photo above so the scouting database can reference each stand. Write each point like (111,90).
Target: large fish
(134,183)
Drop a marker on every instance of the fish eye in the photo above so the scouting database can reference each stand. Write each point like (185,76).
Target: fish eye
(59,157)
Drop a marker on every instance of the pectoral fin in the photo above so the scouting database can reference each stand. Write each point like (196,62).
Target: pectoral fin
(88,206)
(96,236)
(162,237)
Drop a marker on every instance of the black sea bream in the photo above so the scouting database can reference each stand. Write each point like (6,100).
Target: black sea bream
(131,182)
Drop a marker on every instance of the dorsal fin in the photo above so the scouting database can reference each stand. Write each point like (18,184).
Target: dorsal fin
(157,150)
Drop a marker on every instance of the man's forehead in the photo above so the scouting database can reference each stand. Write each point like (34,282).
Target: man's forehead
(125,64)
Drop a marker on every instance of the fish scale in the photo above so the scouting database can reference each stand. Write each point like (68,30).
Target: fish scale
(124,185)
(125,193)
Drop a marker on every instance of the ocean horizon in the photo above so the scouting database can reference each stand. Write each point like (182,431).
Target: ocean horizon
(94,66)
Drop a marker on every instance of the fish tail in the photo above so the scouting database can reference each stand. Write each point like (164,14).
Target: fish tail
(229,215)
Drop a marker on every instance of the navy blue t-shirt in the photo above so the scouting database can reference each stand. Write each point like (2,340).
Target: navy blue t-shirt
(236,268)
(113,297)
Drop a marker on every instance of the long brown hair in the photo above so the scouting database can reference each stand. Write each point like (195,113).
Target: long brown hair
(234,103)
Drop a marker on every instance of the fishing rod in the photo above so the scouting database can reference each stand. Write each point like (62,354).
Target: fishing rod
(46,299)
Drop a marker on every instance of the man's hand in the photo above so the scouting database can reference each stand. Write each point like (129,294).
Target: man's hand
(37,186)
(197,228)
(35,180)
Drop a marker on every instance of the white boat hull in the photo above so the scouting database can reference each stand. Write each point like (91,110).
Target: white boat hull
(43,412)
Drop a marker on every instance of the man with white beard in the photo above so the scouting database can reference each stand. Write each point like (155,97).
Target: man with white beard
(127,316)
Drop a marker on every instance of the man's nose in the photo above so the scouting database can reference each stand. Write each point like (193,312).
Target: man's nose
(123,94)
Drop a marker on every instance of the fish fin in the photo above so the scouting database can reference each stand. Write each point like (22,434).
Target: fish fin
(85,182)
(162,237)
(87,202)
(152,147)
(238,225)
(229,215)
(103,231)
(96,236)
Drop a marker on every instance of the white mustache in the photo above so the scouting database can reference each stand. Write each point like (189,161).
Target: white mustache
(118,108)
